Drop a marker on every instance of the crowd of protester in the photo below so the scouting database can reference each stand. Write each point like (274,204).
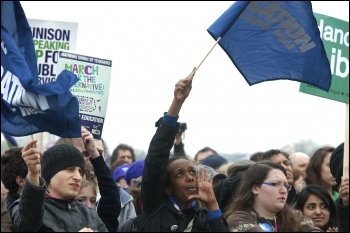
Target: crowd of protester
(71,186)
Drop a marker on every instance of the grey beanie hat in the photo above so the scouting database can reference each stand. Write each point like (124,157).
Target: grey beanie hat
(237,166)
(58,158)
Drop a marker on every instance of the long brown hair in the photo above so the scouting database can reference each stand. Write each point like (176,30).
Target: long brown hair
(314,167)
(135,192)
(244,197)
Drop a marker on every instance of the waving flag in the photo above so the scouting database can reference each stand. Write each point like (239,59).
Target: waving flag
(26,106)
(271,40)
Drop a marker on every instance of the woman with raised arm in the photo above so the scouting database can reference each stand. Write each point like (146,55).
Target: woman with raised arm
(171,187)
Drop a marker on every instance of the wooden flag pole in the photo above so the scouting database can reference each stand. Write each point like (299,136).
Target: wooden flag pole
(346,144)
(41,142)
(194,71)
(41,139)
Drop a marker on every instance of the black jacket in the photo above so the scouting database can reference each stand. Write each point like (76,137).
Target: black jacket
(343,215)
(158,213)
(292,196)
(108,207)
(11,197)
(35,211)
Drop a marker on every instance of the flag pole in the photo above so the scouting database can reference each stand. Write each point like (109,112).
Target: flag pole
(41,142)
(194,71)
(346,143)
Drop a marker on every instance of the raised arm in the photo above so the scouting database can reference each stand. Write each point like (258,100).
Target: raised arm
(31,156)
(27,212)
(109,206)
(182,89)
(157,159)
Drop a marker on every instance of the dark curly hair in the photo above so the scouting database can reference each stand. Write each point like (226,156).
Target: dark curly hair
(12,165)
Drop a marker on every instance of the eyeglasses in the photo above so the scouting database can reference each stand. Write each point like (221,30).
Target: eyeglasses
(279,186)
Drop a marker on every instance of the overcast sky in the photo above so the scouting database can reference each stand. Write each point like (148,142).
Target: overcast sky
(153,44)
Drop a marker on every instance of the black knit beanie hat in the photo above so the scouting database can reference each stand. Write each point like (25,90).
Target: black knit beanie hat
(58,158)
(336,163)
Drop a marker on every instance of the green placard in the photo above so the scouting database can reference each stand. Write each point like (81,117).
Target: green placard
(335,36)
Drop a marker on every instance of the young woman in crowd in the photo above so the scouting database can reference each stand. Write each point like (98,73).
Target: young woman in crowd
(318,171)
(260,202)
(317,204)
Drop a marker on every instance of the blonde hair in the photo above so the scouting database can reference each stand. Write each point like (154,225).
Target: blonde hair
(223,168)
(86,183)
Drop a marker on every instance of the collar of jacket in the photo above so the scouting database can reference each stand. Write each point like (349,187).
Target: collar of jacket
(172,199)
(61,203)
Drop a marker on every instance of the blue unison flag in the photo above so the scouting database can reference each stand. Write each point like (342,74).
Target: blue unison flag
(26,106)
(271,40)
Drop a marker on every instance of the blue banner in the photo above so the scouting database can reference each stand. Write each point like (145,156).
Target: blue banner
(26,106)
(272,40)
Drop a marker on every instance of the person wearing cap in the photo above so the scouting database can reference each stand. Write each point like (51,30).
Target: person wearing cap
(238,168)
(214,161)
(133,178)
(48,200)
(126,200)
(119,175)
(342,203)
(134,173)
(171,186)
(108,204)
(228,187)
